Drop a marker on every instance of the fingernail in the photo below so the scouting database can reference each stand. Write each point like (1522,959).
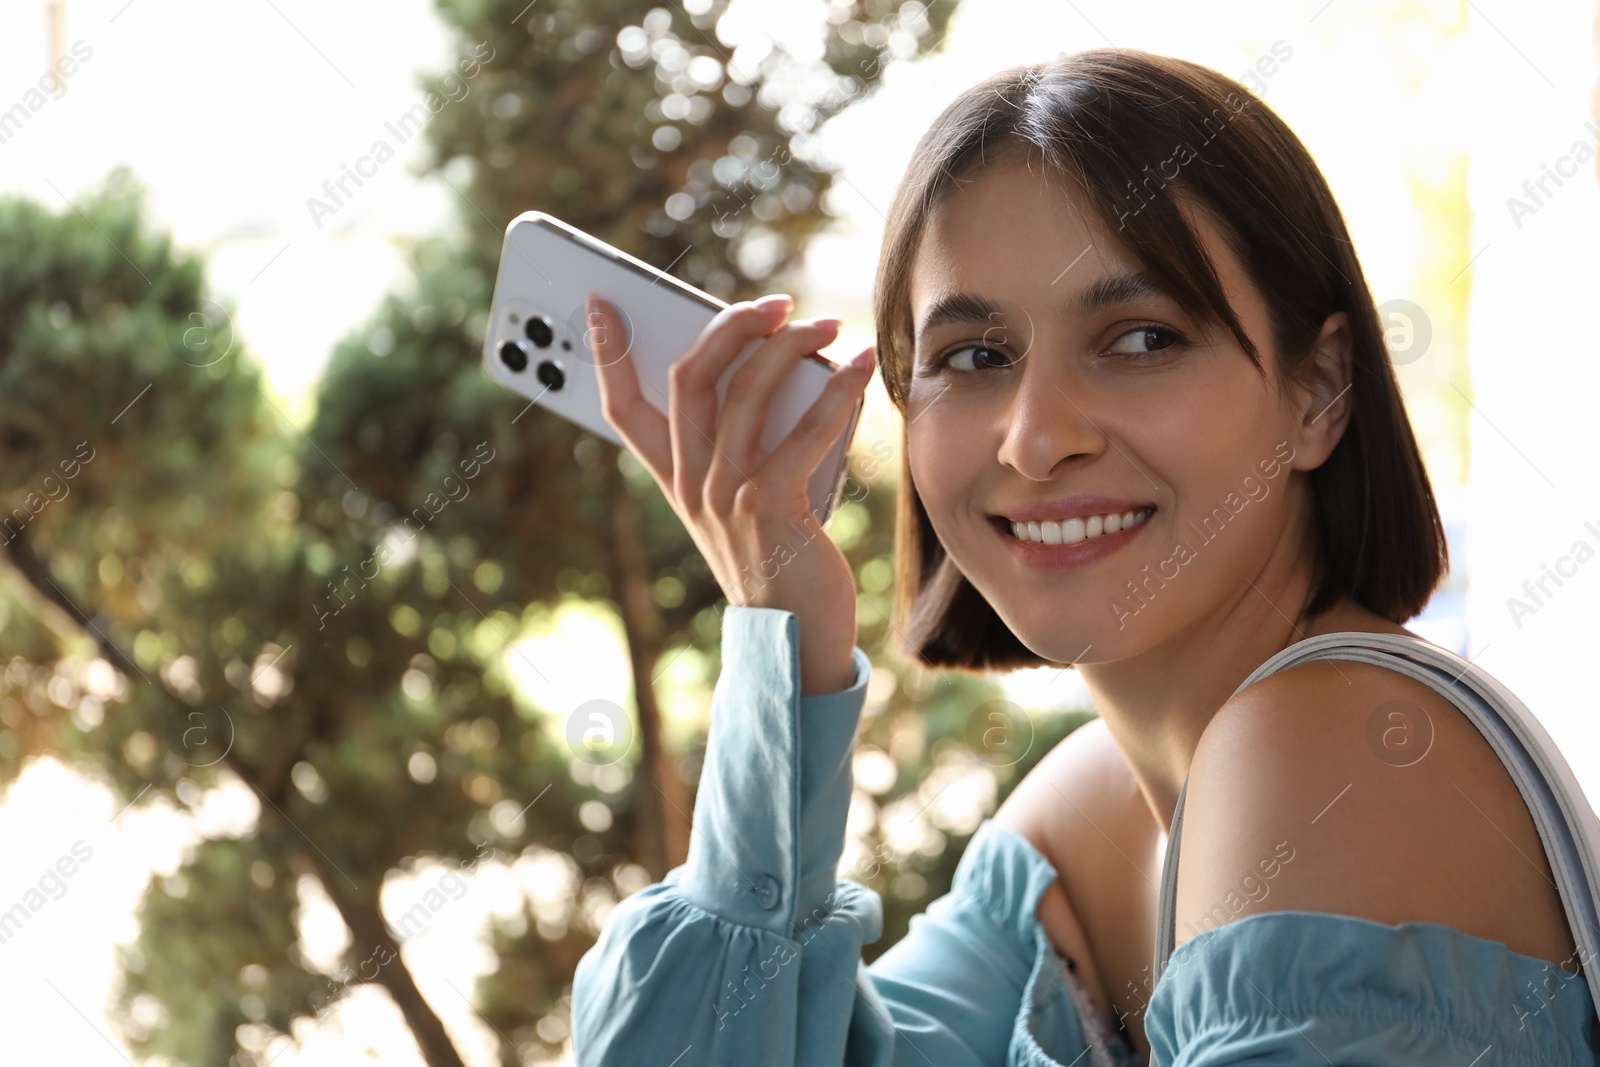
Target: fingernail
(775,301)
(827,320)
(863,359)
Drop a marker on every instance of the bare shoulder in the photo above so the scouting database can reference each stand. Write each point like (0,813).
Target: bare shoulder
(1081,807)
(1082,784)
(1351,789)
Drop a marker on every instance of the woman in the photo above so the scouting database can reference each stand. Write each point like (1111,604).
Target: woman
(1150,431)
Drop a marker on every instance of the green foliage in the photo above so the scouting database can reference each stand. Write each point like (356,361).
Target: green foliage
(109,386)
(198,982)
(324,618)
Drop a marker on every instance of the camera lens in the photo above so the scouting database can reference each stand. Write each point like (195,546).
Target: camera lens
(512,355)
(550,374)
(538,330)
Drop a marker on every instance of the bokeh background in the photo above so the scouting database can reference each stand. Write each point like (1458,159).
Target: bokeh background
(269,802)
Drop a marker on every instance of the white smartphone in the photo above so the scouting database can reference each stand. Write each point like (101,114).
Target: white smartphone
(537,342)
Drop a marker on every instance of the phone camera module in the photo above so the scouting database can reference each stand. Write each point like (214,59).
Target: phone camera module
(512,355)
(550,374)
(539,332)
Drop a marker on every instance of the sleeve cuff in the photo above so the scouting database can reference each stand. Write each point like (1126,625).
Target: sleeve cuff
(828,724)
(774,794)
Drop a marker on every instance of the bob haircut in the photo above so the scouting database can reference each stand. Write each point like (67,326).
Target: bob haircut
(1124,125)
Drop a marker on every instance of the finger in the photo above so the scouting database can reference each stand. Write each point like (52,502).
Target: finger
(796,458)
(691,387)
(748,403)
(638,422)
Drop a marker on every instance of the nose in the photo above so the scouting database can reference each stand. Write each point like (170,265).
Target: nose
(1048,421)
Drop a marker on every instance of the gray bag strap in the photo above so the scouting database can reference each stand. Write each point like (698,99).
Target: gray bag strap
(1568,825)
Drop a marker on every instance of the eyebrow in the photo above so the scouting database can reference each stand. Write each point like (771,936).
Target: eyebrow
(1122,288)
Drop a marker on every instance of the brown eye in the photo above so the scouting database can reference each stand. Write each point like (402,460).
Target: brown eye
(1160,340)
(988,357)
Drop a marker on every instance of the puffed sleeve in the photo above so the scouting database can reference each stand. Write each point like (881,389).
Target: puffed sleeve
(1305,989)
(751,950)
(751,943)
(976,979)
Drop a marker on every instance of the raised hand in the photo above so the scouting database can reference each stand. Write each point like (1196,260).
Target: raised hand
(747,509)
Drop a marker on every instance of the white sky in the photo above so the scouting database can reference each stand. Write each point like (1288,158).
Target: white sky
(234,114)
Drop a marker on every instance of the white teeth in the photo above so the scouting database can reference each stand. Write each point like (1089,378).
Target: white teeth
(1071,531)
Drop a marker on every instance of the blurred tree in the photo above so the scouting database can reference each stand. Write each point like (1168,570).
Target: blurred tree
(213,599)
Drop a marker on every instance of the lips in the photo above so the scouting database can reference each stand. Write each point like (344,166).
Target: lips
(1078,528)
(1077,542)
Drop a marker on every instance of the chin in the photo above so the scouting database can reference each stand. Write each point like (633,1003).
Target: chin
(1051,639)
(1095,638)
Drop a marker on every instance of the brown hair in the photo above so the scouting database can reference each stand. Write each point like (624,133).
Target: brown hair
(1108,119)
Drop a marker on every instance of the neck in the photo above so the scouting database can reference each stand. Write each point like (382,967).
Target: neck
(1158,703)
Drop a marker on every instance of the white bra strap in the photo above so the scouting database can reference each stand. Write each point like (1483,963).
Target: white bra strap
(1567,824)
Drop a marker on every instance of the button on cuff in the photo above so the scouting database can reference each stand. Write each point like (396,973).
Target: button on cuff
(768,893)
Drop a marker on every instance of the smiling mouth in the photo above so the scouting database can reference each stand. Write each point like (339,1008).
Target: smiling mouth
(1072,531)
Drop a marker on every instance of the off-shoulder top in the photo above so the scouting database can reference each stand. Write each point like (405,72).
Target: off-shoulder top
(750,952)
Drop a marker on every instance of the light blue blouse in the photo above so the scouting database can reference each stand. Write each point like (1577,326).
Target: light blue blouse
(750,952)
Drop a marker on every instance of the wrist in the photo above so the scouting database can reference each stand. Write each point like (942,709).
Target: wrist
(827,666)
(832,676)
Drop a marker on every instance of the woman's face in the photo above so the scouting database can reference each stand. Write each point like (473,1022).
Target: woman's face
(1049,382)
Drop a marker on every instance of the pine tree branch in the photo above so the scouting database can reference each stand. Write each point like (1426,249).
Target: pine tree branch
(664,826)
(52,606)
(362,914)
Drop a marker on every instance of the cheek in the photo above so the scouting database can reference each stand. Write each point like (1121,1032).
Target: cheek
(1213,440)
(1202,420)
(944,468)
(922,440)
(922,457)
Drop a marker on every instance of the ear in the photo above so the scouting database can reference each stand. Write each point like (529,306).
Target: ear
(1322,397)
